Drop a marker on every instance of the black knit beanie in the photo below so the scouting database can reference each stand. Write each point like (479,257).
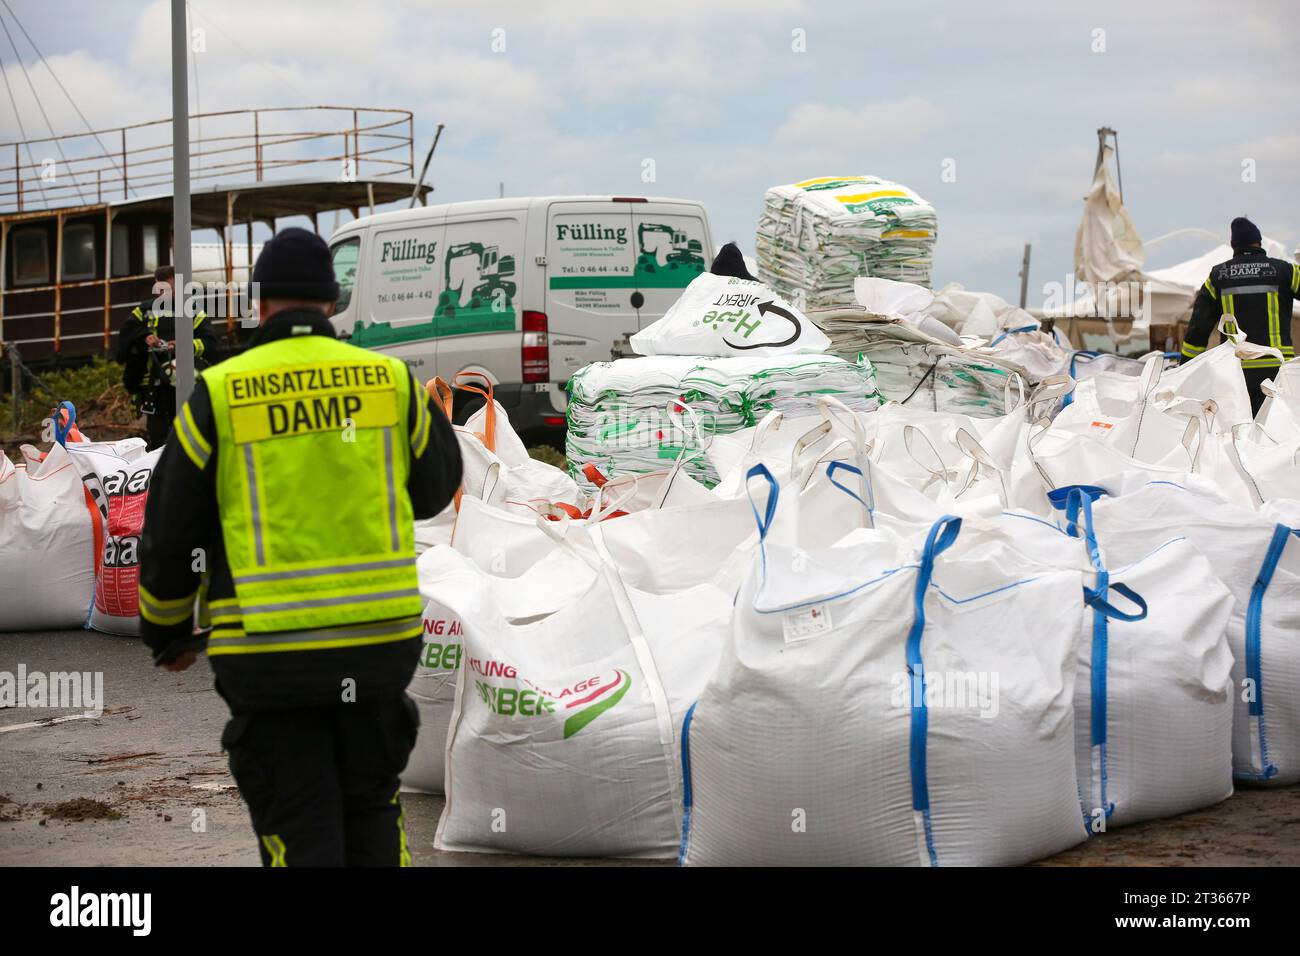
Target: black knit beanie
(296,264)
(1244,233)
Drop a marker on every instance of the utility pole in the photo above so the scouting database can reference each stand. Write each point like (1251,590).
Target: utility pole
(182,308)
(1106,135)
(1024,278)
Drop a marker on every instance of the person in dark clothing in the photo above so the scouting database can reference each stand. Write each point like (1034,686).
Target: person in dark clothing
(1255,293)
(146,347)
(283,505)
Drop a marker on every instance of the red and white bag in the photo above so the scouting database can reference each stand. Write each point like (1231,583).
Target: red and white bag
(116,476)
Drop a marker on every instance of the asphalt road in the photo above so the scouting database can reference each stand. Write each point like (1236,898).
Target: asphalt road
(146,783)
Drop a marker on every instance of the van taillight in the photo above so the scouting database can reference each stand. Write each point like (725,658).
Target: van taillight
(536,352)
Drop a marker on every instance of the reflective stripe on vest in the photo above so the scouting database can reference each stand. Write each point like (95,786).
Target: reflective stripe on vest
(237,640)
(312,464)
(1274,322)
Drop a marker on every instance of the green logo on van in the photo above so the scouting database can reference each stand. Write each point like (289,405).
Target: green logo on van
(666,258)
(478,292)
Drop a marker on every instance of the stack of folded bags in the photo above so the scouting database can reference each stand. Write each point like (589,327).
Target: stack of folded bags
(627,417)
(815,237)
(727,353)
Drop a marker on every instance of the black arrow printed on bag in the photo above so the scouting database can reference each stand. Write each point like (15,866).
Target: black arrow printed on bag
(763,309)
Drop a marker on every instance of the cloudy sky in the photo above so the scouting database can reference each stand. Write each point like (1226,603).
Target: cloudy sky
(729,97)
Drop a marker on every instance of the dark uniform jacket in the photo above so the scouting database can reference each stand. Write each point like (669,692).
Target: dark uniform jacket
(141,375)
(1258,293)
(181,515)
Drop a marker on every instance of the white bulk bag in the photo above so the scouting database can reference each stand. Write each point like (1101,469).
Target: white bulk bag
(1279,415)
(957,459)
(787,447)
(725,315)
(486,475)
(1253,466)
(47,543)
(1258,559)
(495,464)
(808,746)
(1038,353)
(542,589)
(1282,396)
(117,475)
(1053,459)
(531,567)
(1153,693)
(564,735)
(430,532)
(1216,374)
(1133,423)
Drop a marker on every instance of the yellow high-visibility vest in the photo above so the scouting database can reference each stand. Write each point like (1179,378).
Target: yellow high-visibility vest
(313,454)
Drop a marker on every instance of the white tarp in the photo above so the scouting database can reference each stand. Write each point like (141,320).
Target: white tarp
(1107,247)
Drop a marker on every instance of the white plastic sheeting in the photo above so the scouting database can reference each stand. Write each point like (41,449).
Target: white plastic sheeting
(1107,247)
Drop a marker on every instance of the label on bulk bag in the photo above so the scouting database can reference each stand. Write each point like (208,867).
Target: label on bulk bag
(443,639)
(805,622)
(724,315)
(441,644)
(433,688)
(570,707)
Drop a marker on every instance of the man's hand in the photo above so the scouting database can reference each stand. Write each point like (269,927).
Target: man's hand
(182,662)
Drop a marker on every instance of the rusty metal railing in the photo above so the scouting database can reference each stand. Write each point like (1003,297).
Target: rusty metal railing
(229,146)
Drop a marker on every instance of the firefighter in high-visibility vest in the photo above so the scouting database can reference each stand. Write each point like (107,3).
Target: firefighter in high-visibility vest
(146,347)
(283,505)
(1256,292)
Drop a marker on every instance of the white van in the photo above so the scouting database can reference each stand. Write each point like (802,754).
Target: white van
(526,290)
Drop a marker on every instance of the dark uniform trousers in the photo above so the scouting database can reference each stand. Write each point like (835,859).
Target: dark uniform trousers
(321,783)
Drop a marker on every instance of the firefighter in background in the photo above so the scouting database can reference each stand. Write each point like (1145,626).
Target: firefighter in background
(146,347)
(1257,292)
(295,471)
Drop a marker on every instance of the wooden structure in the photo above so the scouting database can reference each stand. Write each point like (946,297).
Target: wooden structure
(85,219)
